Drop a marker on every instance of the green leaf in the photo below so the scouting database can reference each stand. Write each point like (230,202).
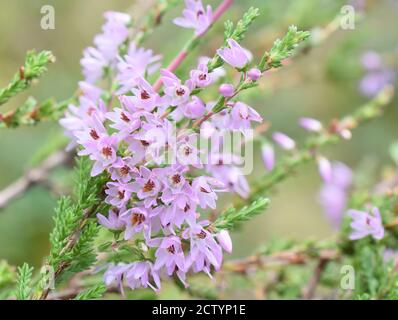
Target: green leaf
(231,218)
(95,292)
(24,278)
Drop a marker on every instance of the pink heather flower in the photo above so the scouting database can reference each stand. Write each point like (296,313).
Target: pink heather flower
(227,90)
(371,61)
(140,274)
(325,169)
(216,73)
(235,55)
(203,187)
(366,224)
(204,250)
(102,151)
(124,121)
(194,109)
(268,155)
(113,221)
(201,76)
(310,124)
(224,239)
(254,74)
(93,64)
(284,141)
(118,194)
(375,81)
(144,96)
(90,91)
(175,92)
(123,169)
(136,220)
(137,63)
(170,256)
(195,16)
(147,186)
(334,193)
(115,274)
(114,33)
(242,115)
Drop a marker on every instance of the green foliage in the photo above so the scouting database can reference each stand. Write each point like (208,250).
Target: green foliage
(74,232)
(283,49)
(94,292)
(35,65)
(24,278)
(232,218)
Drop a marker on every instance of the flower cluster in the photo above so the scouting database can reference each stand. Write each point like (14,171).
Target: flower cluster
(160,180)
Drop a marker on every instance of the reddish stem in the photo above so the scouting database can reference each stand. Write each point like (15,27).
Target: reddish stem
(224,6)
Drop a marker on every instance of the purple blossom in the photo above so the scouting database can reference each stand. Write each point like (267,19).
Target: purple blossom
(204,250)
(175,92)
(147,186)
(204,189)
(254,74)
(194,109)
(284,141)
(195,16)
(235,55)
(227,90)
(224,239)
(137,63)
(93,64)
(242,115)
(366,224)
(325,169)
(123,170)
(334,193)
(311,124)
(118,194)
(374,82)
(201,76)
(145,97)
(113,220)
(136,220)
(371,61)
(140,274)
(268,155)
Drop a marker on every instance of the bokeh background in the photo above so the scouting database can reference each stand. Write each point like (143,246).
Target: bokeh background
(322,84)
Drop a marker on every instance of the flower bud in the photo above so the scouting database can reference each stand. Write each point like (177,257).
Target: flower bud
(284,141)
(310,124)
(268,154)
(254,74)
(225,240)
(227,90)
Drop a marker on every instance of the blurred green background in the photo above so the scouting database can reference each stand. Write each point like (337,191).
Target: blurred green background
(322,84)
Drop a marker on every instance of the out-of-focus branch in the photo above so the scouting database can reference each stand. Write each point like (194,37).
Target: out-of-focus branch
(33,176)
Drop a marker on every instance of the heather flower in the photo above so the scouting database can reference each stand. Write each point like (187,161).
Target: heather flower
(232,178)
(145,96)
(147,186)
(325,169)
(118,194)
(204,190)
(115,32)
(334,193)
(124,121)
(311,124)
(227,90)
(204,250)
(254,74)
(93,64)
(373,82)
(371,61)
(170,256)
(242,115)
(284,141)
(123,169)
(175,92)
(194,109)
(366,224)
(136,220)
(195,16)
(102,151)
(224,239)
(137,63)
(115,274)
(268,156)
(235,55)
(113,221)
(140,274)
(201,76)
(217,73)
(90,91)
